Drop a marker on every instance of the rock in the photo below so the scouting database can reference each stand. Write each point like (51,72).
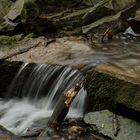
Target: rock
(90,2)
(4,8)
(20,10)
(24,15)
(135,22)
(137,15)
(8,27)
(15,10)
(107,91)
(107,19)
(119,10)
(118,5)
(8,70)
(67,20)
(102,122)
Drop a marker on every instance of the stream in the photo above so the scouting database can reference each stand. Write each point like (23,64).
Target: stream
(37,91)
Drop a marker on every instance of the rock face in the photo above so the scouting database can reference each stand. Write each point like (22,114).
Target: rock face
(135,22)
(11,69)
(118,5)
(4,8)
(121,10)
(19,13)
(26,15)
(102,122)
(107,91)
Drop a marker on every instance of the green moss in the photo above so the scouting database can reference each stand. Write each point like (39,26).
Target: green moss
(30,35)
(7,39)
(104,96)
(29,10)
(101,89)
(24,13)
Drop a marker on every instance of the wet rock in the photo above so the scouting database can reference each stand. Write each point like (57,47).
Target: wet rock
(15,10)
(107,91)
(103,123)
(90,2)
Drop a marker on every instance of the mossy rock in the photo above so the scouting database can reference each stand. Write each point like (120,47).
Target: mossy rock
(31,35)
(101,89)
(107,92)
(7,39)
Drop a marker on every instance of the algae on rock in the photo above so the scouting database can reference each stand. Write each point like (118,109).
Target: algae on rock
(107,92)
(7,39)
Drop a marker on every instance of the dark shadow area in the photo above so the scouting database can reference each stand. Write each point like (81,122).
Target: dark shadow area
(127,112)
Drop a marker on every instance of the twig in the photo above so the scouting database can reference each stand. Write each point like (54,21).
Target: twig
(116,125)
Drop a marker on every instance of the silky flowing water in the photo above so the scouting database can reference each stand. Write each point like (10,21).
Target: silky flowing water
(37,92)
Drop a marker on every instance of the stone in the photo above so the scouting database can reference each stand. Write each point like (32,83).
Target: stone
(137,15)
(106,19)
(118,5)
(8,27)
(102,122)
(90,2)
(4,8)
(135,22)
(119,11)
(15,10)
(107,90)
(20,11)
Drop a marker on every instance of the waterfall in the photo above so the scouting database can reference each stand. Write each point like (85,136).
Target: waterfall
(36,91)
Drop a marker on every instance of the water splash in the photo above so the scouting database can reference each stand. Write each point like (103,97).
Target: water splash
(37,92)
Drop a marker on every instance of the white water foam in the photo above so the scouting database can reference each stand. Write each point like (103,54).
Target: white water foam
(129,30)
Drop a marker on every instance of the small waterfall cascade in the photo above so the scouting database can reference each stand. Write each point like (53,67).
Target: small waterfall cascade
(33,94)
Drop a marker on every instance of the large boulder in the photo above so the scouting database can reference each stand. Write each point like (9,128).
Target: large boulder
(113,126)
(109,91)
